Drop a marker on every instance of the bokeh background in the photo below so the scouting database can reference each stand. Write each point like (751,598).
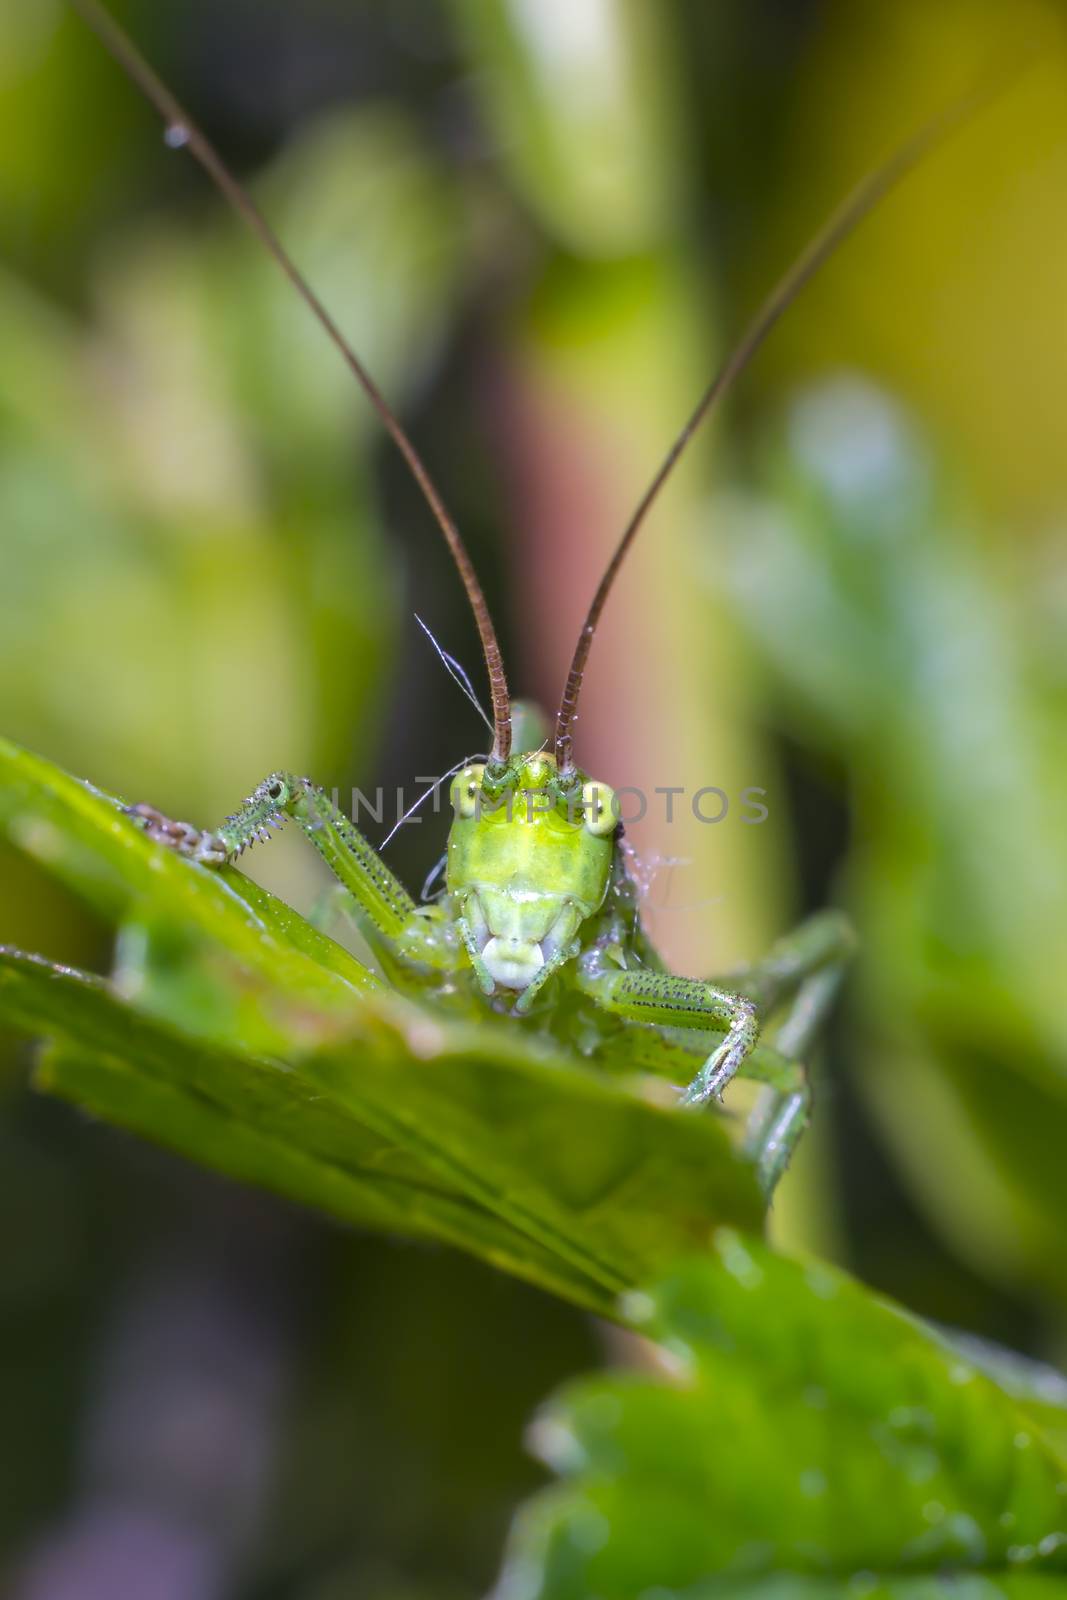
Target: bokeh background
(541,222)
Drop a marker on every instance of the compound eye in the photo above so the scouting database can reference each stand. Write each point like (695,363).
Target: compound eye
(598,809)
(466,790)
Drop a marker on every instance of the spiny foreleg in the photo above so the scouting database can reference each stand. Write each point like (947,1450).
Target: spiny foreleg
(802,971)
(642,995)
(378,893)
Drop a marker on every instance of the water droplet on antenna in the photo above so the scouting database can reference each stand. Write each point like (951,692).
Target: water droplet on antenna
(175,135)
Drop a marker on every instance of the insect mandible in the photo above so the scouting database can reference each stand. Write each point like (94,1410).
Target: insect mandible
(541,915)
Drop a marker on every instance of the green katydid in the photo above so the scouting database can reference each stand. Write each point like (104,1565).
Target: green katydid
(540,917)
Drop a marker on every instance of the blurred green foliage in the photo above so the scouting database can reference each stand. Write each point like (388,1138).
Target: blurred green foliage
(540,221)
(926,685)
(800,1425)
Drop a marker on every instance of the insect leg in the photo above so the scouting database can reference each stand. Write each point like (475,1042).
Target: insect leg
(329,907)
(380,898)
(782,1112)
(198,844)
(824,940)
(809,962)
(659,997)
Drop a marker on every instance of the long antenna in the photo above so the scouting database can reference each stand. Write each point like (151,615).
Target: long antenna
(840,224)
(183,133)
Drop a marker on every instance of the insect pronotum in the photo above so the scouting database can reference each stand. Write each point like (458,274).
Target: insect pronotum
(540,917)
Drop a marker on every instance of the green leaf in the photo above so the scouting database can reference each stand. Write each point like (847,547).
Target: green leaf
(806,1439)
(865,1587)
(235,1033)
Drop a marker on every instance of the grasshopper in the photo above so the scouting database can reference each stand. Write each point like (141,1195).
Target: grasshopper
(540,916)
